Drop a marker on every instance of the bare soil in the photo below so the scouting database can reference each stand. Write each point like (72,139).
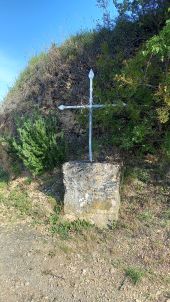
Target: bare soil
(88,267)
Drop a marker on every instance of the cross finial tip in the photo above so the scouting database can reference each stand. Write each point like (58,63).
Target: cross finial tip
(61,107)
(91,74)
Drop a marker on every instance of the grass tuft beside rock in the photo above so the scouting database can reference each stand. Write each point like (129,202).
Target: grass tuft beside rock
(66,228)
(134,274)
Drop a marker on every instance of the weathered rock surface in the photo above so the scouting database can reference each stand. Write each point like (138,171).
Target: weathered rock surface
(92,192)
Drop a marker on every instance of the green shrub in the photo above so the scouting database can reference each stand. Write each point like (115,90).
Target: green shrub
(167,145)
(131,64)
(146,216)
(39,143)
(134,274)
(19,200)
(143,83)
(132,173)
(77,44)
(65,228)
(4,178)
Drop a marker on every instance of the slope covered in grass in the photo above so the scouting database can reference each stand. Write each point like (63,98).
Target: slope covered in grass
(130,59)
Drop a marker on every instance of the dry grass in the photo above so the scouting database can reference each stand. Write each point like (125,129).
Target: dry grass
(135,251)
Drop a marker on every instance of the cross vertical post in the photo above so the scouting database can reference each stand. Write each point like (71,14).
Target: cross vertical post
(91,76)
(90,107)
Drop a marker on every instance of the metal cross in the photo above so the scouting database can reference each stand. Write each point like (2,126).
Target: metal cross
(90,106)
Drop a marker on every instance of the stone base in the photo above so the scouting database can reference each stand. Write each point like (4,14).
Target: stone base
(92,192)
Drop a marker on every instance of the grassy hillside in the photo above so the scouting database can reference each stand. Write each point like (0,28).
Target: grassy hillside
(131,64)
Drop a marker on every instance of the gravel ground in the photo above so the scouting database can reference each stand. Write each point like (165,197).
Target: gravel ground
(89,267)
(34,266)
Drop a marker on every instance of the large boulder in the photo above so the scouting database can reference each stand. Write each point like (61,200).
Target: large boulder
(92,192)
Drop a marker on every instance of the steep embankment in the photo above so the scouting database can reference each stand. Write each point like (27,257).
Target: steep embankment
(60,75)
(131,65)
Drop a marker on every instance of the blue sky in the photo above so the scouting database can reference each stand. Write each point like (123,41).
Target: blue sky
(28,27)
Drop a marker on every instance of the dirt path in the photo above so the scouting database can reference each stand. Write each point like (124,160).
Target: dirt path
(88,267)
(34,266)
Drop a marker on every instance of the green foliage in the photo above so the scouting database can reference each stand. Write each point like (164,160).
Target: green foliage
(141,174)
(113,225)
(28,181)
(134,274)
(138,8)
(19,200)
(143,83)
(146,216)
(33,65)
(130,58)
(39,143)
(65,228)
(77,45)
(166,214)
(167,145)
(4,178)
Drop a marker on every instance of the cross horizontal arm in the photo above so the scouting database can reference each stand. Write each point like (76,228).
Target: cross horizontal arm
(62,107)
